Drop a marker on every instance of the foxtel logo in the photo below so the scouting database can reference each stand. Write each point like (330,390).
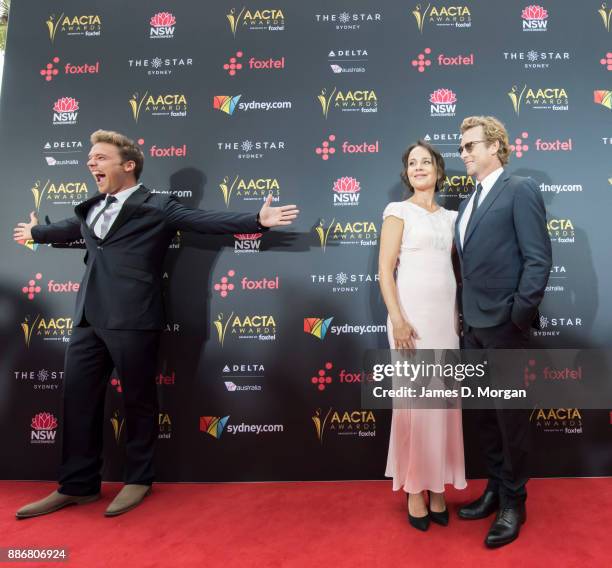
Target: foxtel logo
(167,152)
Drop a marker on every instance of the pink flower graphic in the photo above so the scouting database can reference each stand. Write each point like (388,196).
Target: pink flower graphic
(248,236)
(442,96)
(346,185)
(66,104)
(44,421)
(534,12)
(162,20)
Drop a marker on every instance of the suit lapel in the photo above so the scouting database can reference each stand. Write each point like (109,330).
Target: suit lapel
(132,203)
(457,222)
(82,209)
(493,194)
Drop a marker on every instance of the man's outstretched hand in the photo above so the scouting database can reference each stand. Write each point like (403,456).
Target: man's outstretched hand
(277,216)
(23,231)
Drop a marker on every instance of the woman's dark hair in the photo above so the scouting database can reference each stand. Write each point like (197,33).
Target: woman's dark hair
(438,162)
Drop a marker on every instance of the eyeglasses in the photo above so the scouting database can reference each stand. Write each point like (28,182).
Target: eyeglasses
(469,146)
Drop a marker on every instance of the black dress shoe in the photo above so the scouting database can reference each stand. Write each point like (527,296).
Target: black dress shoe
(486,504)
(507,525)
(440,518)
(420,523)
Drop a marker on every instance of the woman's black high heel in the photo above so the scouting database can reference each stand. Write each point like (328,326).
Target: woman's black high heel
(420,523)
(438,518)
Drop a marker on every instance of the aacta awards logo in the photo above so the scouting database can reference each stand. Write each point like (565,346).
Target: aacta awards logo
(442,16)
(173,105)
(268,20)
(49,329)
(247,242)
(162,26)
(360,233)
(44,428)
(360,423)
(548,98)
(561,231)
(348,101)
(87,25)
(65,111)
(254,327)
(59,193)
(249,189)
(346,192)
(317,327)
(606,15)
(443,103)
(213,425)
(559,420)
(535,18)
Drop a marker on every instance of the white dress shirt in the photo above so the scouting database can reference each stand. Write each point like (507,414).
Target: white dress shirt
(487,183)
(112,212)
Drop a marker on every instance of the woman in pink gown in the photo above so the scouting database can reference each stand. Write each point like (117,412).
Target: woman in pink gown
(426,445)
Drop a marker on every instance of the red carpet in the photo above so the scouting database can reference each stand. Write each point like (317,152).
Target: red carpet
(315,525)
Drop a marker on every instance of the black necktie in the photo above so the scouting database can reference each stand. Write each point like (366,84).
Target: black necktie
(110,199)
(474,207)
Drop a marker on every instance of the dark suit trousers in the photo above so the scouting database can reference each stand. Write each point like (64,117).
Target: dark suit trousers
(504,434)
(90,358)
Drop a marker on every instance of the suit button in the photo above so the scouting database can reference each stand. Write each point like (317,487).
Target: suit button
(99,247)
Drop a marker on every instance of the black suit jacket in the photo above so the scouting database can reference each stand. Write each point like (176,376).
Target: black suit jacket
(506,255)
(122,284)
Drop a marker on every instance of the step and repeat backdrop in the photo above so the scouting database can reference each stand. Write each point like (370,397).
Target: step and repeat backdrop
(260,369)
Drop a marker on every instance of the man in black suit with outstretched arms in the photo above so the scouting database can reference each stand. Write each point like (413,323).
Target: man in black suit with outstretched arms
(119,315)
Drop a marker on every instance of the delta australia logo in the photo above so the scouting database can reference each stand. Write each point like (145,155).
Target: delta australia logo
(535,18)
(249,189)
(359,233)
(348,60)
(361,423)
(48,329)
(162,26)
(443,103)
(59,193)
(55,152)
(44,428)
(547,98)
(267,20)
(442,16)
(85,25)
(249,327)
(65,111)
(173,105)
(348,101)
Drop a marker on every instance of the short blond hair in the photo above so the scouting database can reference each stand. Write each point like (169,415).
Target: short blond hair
(128,149)
(494,131)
